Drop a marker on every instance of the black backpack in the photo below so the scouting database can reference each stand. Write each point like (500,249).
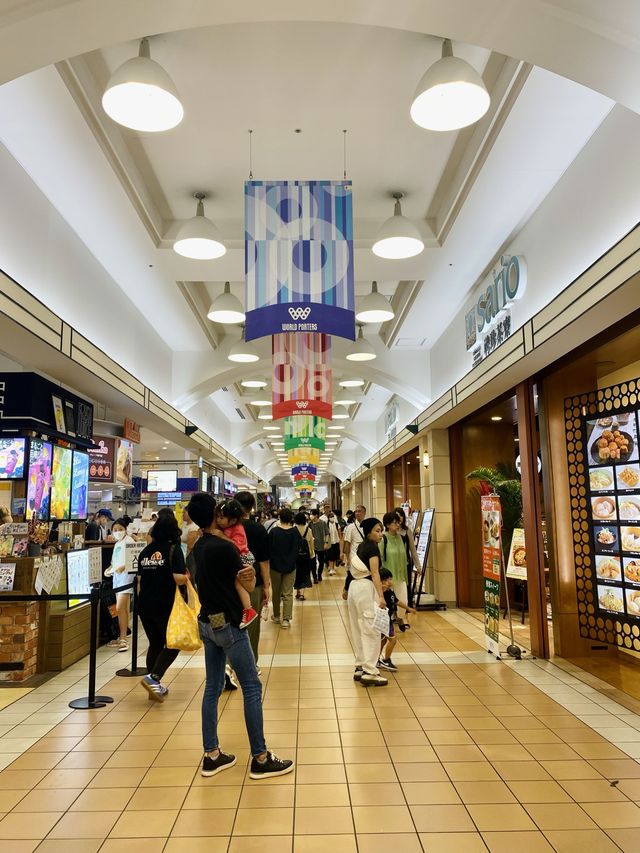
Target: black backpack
(303,545)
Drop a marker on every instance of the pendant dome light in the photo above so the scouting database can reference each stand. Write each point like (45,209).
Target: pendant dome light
(242,352)
(142,96)
(375,307)
(351,383)
(199,238)
(361,350)
(450,95)
(398,237)
(226,308)
(254,383)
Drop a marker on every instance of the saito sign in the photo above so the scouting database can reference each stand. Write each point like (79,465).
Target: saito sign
(491,309)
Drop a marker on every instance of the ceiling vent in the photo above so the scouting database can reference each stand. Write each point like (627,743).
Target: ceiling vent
(409,343)
(241,414)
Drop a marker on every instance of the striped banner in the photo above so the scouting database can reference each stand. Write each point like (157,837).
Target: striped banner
(304,431)
(299,258)
(302,378)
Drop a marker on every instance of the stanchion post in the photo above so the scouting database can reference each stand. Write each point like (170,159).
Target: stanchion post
(135,669)
(92,701)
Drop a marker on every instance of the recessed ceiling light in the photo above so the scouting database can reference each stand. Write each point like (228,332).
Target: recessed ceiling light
(340,416)
(335,426)
(344,402)
(254,383)
(261,402)
(351,383)
(264,417)
(496,418)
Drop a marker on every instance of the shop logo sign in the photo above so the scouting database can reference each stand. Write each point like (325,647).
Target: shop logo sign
(299,313)
(488,323)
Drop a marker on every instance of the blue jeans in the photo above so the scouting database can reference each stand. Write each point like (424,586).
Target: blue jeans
(220,644)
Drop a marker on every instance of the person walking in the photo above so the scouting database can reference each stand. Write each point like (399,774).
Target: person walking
(306,556)
(160,567)
(353,534)
(258,541)
(284,544)
(333,554)
(218,565)
(321,542)
(413,560)
(363,596)
(121,578)
(394,558)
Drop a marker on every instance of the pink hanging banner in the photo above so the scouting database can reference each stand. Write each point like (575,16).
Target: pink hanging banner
(302,381)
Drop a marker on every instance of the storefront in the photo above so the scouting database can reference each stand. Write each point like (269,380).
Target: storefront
(402,479)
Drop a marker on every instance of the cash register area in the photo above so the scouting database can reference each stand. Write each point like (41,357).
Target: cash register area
(460,753)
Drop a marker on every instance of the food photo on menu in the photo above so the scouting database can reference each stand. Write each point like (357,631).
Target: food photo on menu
(630,539)
(608,568)
(631,570)
(606,538)
(604,508)
(627,477)
(633,601)
(611,598)
(601,479)
(612,439)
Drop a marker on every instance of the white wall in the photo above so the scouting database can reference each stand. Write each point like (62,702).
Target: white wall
(595,203)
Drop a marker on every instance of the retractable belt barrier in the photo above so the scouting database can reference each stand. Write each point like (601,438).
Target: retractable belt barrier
(94,597)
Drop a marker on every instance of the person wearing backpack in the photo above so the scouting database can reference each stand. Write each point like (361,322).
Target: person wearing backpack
(306,555)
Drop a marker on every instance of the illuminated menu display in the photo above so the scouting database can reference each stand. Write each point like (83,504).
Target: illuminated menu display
(611,449)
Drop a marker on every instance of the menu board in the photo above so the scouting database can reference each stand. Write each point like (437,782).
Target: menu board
(424,536)
(79,485)
(12,458)
(517,562)
(39,480)
(124,461)
(102,459)
(61,483)
(491,563)
(78,582)
(611,450)
(162,481)
(95,564)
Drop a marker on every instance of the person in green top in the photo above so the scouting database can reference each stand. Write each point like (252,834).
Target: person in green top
(394,557)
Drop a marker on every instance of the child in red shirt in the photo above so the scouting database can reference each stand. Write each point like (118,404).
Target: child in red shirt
(228,519)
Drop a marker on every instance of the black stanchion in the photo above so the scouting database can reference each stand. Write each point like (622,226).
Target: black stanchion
(135,670)
(92,701)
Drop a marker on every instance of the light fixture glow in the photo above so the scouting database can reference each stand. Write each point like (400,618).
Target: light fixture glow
(141,95)
(496,418)
(254,383)
(242,352)
(425,459)
(261,402)
(336,426)
(344,402)
(226,308)
(351,383)
(398,237)
(361,350)
(199,238)
(450,95)
(265,417)
(375,308)
(340,416)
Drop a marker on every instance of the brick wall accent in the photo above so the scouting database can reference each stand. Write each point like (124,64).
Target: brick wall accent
(18,639)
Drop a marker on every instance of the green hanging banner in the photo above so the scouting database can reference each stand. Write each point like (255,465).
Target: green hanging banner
(304,431)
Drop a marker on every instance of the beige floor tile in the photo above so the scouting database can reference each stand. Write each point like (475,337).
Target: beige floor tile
(577,841)
(408,842)
(384,819)
(428,772)
(309,796)
(129,777)
(448,842)
(319,755)
(322,843)
(159,777)
(83,760)
(132,758)
(102,799)
(268,796)
(149,824)
(505,752)
(175,757)
(380,794)
(371,773)
(126,845)
(402,738)
(79,778)
(595,790)
(13,780)
(367,754)
(263,822)
(43,800)
(442,819)
(154,799)
(617,768)
(626,839)
(554,752)
(570,770)
(630,787)
(256,844)
(614,815)
(365,739)
(502,817)
(507,842)
(431,793)
(95,824)
(471,771)
(37,760)
(25,825)
(484,792)
(559,816)
(523,771)
(70,845)
(334,820)
(540,792)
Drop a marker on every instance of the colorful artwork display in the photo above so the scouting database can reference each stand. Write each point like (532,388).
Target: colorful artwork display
(299,258)
(302,378)
(61,483)
(39,480)
(12,452)
(124,461)
(491,565)
(304,431)
(79,485)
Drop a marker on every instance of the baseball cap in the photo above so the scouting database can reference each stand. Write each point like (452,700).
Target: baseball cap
(107,512)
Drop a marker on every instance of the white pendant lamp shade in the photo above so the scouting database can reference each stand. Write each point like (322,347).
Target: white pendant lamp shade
(398,237)
(351,383)
(142,96)
(199,238)
(242,352)
(375,308)
(254,383)
(226,308)
(361,350)
(450,95)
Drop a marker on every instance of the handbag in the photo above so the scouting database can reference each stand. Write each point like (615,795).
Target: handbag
(381,621)
(182,628)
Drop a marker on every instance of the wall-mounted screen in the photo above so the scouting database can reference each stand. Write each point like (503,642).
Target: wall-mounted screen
(79,485)
(215,484)
(78,576)
(61,483)
(124,462)
(12,458)
(39,480)
(162,481)
(204,481)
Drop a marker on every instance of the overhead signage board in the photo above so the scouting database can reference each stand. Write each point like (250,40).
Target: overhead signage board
(102,459)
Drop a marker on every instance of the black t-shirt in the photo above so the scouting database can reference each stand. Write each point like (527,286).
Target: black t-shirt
(93,532)
(157,584)
(283,549)
(367,550)
(217,564)
(258,542)
(391,602)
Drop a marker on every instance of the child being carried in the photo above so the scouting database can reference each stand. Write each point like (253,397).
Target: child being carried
(229,520)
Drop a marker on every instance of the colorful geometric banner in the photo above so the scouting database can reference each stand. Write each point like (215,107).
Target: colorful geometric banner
(302,377)
(299,258)
(304,431)
(303,456)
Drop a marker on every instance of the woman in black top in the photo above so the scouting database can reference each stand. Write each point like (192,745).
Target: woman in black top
(160,568)
(284,544)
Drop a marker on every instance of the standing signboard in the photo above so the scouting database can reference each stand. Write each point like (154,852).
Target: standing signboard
(517,563)
(491,563)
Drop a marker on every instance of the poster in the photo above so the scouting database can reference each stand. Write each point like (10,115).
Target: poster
(132,551)
(20,546)
(102,459)
(78,582)
(79,485)
(95,564)
(12,458)
(49,574)
(491,565)
(124,461)
(517,564)
(299,274)
(58,413)
(61,482)
(39,480)
(424,536)
(7,575)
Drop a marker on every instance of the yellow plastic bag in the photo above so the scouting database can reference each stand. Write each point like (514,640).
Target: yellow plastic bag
(182,629)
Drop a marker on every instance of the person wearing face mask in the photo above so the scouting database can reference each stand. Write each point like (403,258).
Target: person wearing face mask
(117,571)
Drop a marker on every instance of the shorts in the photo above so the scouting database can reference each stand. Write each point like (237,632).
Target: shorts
(332,554)
(392,630)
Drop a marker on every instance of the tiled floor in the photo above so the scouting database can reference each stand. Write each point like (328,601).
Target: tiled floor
(460,753)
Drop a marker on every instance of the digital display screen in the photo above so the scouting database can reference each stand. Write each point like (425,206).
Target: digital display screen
(204,480)
(424,535)
(12,458)
(162,481)
(124,462)
(79,485)
(39,480)
(78,576)
(61,483)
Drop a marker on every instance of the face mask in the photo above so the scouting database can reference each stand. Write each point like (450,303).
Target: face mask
(118,535)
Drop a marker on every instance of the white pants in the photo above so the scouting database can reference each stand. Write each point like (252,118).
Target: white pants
(400,589)
(362,602)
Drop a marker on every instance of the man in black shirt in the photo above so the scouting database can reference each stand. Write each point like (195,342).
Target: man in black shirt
(218,563)
(258,542)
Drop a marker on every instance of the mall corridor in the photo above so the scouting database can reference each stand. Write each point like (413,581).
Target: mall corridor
(460,753)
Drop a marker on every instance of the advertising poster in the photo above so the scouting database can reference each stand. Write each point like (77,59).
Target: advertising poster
(517,565)
(7,575)
(95,565)
(424,536)
(491,561)
(132,551)
(61,483)
(58,414)
(12,458)
(39,480)
(79,485)
(124,462)
(102,459)
(78,582)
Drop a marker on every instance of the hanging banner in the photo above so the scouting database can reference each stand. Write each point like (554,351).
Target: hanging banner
(517,563)
(299,258)
(304,431)
(303,456)
(302,380)
(491,557)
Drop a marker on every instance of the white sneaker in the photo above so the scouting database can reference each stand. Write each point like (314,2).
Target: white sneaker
(286,623)
(123,646)
(275,619)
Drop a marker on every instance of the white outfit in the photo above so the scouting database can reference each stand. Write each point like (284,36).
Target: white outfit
(192,527)
(361,602)
(354,535)
(334,533)
(118,560)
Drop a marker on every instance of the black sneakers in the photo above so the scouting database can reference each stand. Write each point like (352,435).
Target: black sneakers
(387,663)
(211,766)
(357,673)
(271,766)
